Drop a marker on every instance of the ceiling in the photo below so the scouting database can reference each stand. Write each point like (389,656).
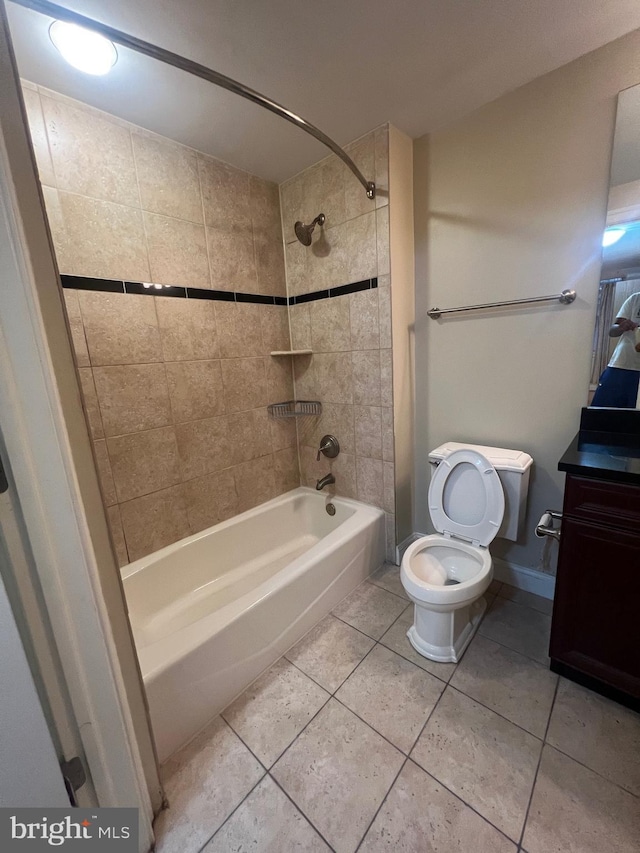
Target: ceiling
(345,66)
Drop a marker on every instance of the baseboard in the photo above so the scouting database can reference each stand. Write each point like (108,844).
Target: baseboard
(520,577)
(530,580)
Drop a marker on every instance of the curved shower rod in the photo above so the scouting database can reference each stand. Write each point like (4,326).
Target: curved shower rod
(166,56)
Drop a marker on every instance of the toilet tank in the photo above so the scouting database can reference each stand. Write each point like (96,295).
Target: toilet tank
(513,467)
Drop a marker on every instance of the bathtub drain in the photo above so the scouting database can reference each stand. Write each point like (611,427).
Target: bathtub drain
(331,509)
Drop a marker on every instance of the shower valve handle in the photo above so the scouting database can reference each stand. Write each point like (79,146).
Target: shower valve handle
(329,446)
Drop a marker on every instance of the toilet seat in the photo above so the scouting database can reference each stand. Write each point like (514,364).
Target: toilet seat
(473,498)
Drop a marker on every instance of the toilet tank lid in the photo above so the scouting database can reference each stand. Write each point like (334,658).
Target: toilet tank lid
(501,458)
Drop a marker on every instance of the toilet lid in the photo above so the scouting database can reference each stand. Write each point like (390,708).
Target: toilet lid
(466,498)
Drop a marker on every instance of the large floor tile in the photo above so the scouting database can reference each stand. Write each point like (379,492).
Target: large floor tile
(268,822)
(338,772)
(486,760)
(388,577)
(518,627)
(370,609)
(330,652)
(574,810)
(392,694)
(528,599)
(396,639)
(509,683)
(597,732)
(204,783)
(420,815)
(276,707)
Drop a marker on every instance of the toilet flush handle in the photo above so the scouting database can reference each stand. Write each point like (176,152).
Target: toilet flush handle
(545,525)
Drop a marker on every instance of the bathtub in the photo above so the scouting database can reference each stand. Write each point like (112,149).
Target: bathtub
(213,611)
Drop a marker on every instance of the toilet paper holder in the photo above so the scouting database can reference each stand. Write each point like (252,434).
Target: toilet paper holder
(545,526)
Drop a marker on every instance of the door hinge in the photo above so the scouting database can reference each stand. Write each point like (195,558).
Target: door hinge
(74,777)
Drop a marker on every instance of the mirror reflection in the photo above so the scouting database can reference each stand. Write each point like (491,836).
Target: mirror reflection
(615,365)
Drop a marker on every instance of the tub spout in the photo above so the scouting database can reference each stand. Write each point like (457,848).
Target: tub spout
(327,480)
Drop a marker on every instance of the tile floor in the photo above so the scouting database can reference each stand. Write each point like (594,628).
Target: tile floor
(352,741)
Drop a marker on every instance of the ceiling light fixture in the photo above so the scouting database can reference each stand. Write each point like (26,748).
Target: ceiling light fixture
(612,235)
(85,50)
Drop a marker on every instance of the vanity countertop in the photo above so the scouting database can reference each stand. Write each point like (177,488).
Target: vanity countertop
(607,447)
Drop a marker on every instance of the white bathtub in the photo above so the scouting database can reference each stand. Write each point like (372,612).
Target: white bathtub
(213,611)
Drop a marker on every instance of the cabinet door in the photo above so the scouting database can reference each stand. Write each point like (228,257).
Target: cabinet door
(597,604)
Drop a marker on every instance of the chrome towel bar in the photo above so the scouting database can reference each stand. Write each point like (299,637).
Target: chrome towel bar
(566,298)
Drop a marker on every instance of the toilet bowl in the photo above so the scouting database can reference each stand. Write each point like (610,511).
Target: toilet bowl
(446,574)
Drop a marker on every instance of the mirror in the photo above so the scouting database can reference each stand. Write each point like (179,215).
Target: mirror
(615,361)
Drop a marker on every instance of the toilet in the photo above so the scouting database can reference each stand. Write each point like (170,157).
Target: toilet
(476,493)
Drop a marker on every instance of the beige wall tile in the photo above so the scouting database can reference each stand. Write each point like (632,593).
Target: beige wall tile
(382,229)
(249,435)
(177,251)
(168,178)
(310,468)
(255,482)
(90,402)
(324,192)
(210,499)
(366,377)
(225,194)
(195,389)
(285,470)
(368,431)
(132,397)
(390,531)
(188,329)
(39,136)
(100,239)
(279,379)
(306,387)
(269,260)
(76,327)
(386,377)
(291,196)
(203,446)
(91,156)
(295,256)
(264,204)
(330,324)
(283,433)
(338,420)
(360,247)
(300,320)
(365,324)
(387,434)
(334,377)
(153,521)
(389,495)
(117,535)
(120,328)
(384,307)
(105,476)
(240,329)
(144,462)
(343,468)
(231,258)
(274,321)
(245,384)
(369,473)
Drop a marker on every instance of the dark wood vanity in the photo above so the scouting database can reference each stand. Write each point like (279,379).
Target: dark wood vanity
(595,632)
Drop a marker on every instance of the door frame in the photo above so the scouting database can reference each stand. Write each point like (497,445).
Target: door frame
(54,474)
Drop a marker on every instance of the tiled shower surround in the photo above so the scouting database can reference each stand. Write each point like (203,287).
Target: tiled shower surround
(176,389)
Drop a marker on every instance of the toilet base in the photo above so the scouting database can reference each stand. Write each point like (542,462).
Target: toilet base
(443,637)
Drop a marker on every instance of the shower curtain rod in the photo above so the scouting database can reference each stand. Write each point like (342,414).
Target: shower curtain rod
(169,58)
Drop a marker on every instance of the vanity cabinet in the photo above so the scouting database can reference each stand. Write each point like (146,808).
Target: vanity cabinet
(595,633)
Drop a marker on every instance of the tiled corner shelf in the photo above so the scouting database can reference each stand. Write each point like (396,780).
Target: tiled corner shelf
(279,352)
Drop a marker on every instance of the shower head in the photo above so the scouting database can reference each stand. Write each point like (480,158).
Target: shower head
(304,232)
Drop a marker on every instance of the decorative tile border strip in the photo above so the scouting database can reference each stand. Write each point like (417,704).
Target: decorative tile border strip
(107,285)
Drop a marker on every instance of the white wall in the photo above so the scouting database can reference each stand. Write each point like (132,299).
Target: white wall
(511,202)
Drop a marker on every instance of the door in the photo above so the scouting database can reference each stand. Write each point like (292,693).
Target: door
(30,775)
